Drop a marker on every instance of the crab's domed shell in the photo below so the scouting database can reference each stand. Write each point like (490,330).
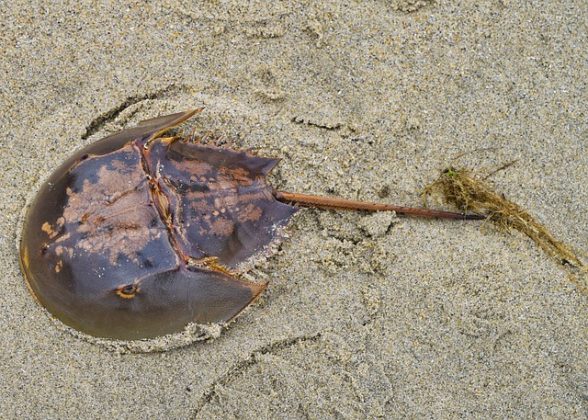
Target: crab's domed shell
(134,236)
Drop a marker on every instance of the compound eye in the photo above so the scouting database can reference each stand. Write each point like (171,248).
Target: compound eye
(128,291)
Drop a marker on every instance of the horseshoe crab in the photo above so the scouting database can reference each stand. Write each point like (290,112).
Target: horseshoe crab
(137,235)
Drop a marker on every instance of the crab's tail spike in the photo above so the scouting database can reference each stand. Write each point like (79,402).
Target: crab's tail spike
(307,200)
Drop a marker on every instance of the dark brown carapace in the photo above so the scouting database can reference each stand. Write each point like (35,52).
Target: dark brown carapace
(138,235)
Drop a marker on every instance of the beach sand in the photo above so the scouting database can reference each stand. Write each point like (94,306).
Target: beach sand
(365,315)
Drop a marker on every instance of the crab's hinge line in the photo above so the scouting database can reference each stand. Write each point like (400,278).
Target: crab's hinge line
(156,194)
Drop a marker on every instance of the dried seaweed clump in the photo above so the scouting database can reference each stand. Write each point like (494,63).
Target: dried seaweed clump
(461,188)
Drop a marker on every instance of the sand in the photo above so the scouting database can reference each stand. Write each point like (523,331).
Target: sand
(366,315)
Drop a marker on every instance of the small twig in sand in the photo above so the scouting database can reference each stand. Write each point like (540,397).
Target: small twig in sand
(501,168)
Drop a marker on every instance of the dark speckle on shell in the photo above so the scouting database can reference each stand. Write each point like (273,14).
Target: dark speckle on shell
(135,235)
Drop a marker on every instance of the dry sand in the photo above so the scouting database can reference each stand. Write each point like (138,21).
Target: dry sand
(366,316)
